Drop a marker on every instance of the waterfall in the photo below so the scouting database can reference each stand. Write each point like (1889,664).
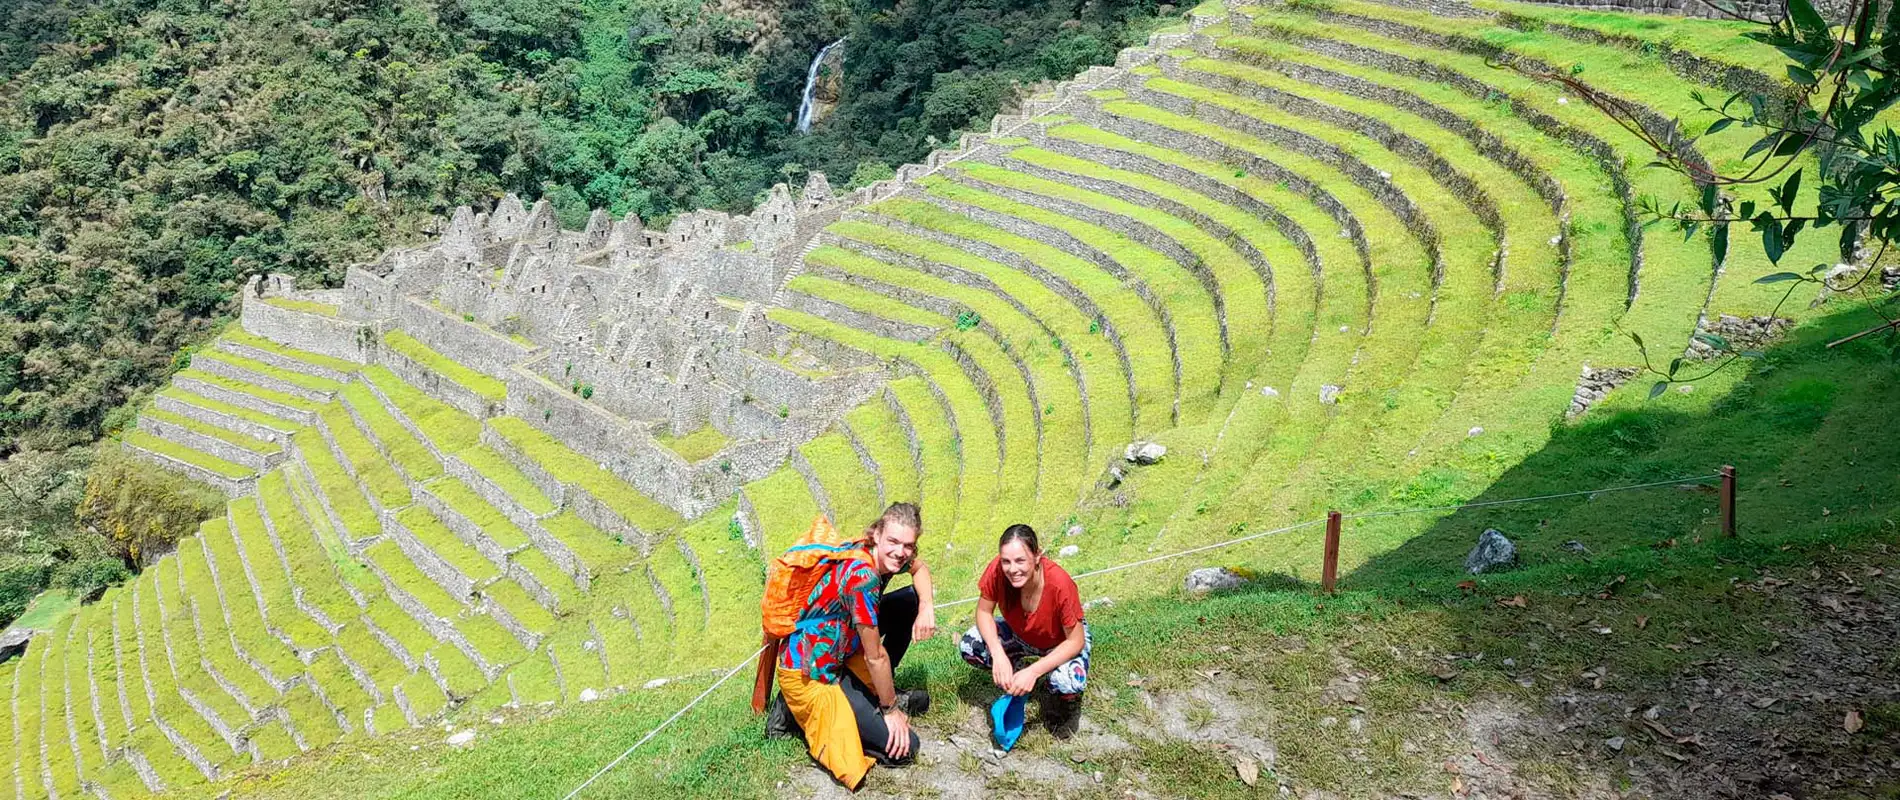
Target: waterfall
(811,87)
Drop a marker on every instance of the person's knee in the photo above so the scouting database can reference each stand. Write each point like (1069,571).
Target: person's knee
(973,649)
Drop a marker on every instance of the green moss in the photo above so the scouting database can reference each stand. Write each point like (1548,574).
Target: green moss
(213,431)
(435,536)
(237,335)
(457,671)
(297,379)
(517,602)
(852,490)
(247,624)
(181,642)
(472,507)
(549,575)
(396,566)
(877,428)
(580,668)
(125,623)
(450,429)
(306,306)
(409,634)
(425,698)
(213,636)
(378,478)
(268,395)
(490,639)
(273,742)
(535,682)
(315,722)
(221,407)
(682,586)
(166,447)
(340,686)
(570,467)
(784,505)
(597,551)
(504,474)
(938,451)
(320,564)
(698,445)
(405,450)
(477,382)
(1143,338)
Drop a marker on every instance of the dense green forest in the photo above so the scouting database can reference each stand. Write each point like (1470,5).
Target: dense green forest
(154,153)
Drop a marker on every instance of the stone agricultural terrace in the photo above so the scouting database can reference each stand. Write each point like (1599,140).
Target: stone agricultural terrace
(1308,247)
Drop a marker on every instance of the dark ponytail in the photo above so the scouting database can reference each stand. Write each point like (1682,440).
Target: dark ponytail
(1020,533)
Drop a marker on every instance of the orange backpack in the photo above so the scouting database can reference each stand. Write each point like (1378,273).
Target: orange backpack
(788,584)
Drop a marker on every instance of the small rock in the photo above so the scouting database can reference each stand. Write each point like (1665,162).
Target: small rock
(1068,550)
(459,739)
(655,683)
(1563,101)
(1212,579)
(1074,530)
(1115,477)
(1098,602)
(1475,430)
(1575,546)
(1328,394)
(1078,757)
(1327,722)
(1098,777)
(1144,453)
(590,645)
(1555,240)
(1268,391)
(589,695)
(1385,175)
(494,720)
(1687,388)
(1492,552)
(1509,662)
(1614,743)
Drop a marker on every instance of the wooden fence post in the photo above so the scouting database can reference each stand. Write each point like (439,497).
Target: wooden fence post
(1330,575)
(1728,501)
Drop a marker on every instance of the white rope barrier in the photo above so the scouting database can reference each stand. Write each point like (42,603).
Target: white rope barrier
(1131,565)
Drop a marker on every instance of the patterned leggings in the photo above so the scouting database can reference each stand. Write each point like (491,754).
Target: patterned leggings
(1069,679)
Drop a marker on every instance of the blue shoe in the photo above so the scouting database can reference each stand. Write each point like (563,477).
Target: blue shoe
(1006,720)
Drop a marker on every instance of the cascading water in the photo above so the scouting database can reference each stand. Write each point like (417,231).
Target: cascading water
(811,87)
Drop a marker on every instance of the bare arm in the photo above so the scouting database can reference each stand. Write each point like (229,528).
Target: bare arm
(879,663)
(1072,641)
(1001,670)
(926,625)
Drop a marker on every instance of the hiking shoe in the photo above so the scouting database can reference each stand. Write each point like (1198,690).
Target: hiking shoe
(913,702)
(779,722)
(1062,715)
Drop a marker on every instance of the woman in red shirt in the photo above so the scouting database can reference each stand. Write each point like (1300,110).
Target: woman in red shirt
(1041,620)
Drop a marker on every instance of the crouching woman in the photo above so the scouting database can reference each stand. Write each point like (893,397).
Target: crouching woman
(1040,633)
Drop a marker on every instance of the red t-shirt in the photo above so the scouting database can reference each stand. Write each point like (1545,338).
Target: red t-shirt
(1059,609)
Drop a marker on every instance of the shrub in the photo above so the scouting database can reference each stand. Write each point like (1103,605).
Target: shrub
(587,391)
(784,411)
(141,511)
(86,578)
(21,579)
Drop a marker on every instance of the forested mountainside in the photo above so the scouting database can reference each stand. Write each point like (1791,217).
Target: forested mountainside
(155,152)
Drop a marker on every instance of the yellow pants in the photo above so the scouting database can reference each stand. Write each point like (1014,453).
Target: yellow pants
(831,732)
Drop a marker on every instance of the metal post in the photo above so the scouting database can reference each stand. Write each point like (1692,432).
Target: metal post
(1728,501)
(1331,574)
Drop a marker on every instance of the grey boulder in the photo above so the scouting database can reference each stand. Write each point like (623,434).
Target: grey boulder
(1494,552)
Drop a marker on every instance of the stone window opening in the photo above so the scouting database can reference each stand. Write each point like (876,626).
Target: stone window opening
(649,365)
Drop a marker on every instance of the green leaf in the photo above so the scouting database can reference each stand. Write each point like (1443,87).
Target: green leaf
(1789,189)
(1717,126)
(1802,76)
(1657,390)
(1780,277)
(1639,339)
(1808,21)
(1674,366)
(1718,244)
(1771,243)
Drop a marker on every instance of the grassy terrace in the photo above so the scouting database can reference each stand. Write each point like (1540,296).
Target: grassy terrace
(406,451)
(305,306)
(1144,339)
(851,489)
(230,437)
(878,430)
(865,301)
(226,409)
(696,446)
(1400,404)
(940,479)
(785,507)
(451,370)
(1197,338)
(269,397)
(213,464)
(1239,288)
(577,470)
(435,536)
(1046,356)
(269,371)
(977,437)
(238,336)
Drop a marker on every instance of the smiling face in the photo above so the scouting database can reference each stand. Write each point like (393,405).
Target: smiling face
(1018,563)
(893,545)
